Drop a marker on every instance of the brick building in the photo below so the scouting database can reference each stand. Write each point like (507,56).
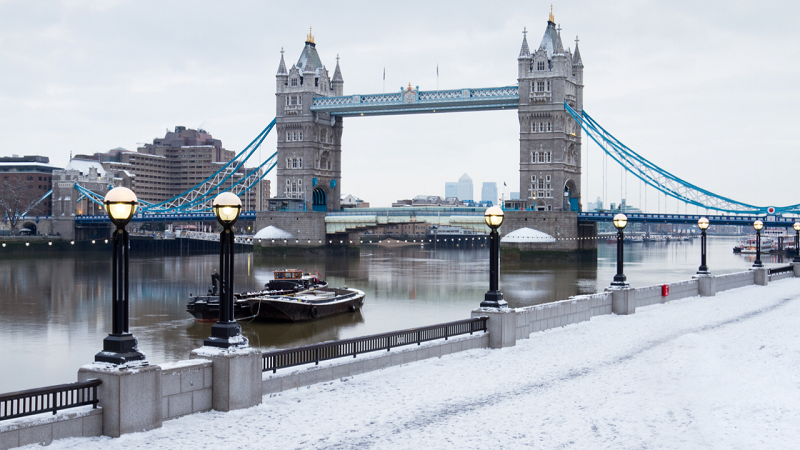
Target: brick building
(34,175)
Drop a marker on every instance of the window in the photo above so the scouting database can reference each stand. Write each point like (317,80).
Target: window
(294,81)
(549,128)
(316,82)
(294,163)
(533,127)
(548,85)
(40,178)
(288,165)
(30,178)
(540,65)
(536,157)
(541,126)
(540,86)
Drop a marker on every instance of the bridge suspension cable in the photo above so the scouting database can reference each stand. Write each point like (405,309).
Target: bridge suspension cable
(662,180)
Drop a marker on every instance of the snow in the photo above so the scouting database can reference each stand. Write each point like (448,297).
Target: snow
(271,232)
(183,364)
(83,166)
(527,235)
(703,372)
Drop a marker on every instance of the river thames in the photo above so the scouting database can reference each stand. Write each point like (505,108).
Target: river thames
(56,309)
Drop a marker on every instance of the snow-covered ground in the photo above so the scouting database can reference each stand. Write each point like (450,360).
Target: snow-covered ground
(720,372)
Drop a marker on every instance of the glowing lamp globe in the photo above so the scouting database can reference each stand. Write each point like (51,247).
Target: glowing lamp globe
(620,221)
(120,204)
(703,223)
(494,217)
(758,225)
(227,207)
(796,226)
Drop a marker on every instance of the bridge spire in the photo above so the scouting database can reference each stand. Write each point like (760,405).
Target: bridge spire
(282,65)
(559,47)
(576,58)
(551,18)
(525,51)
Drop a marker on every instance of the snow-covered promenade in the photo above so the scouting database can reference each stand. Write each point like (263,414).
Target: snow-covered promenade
(712,372)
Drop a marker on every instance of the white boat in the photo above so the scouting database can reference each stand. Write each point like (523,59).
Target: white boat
(748,245)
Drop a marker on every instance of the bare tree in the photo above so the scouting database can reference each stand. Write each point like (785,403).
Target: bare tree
(16,199)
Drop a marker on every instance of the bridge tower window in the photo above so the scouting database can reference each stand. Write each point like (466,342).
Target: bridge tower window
(540,65)
(540,86)
(549,128)
(294,81)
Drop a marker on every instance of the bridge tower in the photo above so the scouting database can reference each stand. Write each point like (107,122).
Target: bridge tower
(309,143)
(550,140)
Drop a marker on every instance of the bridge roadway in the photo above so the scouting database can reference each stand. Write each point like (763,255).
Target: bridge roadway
(471,218)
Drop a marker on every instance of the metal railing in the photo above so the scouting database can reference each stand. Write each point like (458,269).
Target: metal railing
(777,270)
(314,353)
(51,398)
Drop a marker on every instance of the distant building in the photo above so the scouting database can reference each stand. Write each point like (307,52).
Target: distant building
(172,165)
(428,200)
(351,201)
(451,189)
(514,196)
(595,206)
(35,173)
(489,193)
(465,191)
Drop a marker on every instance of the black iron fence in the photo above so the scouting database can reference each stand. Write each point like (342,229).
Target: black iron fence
(51,398)
(315,353)
(776,270)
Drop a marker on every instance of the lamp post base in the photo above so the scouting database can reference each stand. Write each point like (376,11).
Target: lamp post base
(758,264)
(703,270)
(226,335)
(620,281)
(494,299)
(119,349)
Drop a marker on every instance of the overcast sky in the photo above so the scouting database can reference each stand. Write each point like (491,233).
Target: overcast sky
(706,90)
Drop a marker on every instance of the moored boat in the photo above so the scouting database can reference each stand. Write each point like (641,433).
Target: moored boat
(307,305)
(205,308)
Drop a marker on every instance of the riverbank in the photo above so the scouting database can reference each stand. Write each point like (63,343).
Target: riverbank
(717,372)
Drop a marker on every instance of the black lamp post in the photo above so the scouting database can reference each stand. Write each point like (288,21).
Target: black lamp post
(758,225)
(620,222)
(226,332)
(703,224)
(120,346)
(494,298)
(796,242)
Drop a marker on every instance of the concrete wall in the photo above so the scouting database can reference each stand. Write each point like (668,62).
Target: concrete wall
(735,280)
(558,314)
(304,227)
(185,388)
(44,428)
(651,295)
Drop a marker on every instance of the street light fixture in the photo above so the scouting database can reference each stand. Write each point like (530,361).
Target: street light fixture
(703,224)
(796,227)
(620,222)
(226,332)
(758,225)
(120,346)
(494,298)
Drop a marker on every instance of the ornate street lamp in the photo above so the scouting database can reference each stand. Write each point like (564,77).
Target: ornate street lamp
(796,227)
(703,224)
(758,225)
(120,346)
(226,332)
(494,298)
(620,222)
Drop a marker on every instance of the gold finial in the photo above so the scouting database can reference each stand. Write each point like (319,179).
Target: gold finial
(551,19)
(409,86)
(309,38)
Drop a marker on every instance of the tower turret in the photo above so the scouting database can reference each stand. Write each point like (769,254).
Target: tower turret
(309,143)
(338,81)
(550,141)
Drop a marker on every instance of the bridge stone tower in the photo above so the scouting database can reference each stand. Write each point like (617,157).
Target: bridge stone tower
(309,143)
(550,140)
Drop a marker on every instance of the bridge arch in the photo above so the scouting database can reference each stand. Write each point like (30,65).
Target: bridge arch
(30,226)
(571,196)
(319,199)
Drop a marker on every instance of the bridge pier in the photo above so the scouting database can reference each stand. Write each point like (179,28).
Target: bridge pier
(570,234)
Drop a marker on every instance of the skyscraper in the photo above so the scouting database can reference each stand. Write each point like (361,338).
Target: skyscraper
(489,193)
(465,188)
(451,189)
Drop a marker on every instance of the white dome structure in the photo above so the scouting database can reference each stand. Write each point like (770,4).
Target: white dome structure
(271,232)
(527,235)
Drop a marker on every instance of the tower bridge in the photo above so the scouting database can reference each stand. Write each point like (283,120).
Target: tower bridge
(548,96)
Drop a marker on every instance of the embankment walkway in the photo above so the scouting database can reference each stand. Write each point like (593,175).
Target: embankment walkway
(701,372)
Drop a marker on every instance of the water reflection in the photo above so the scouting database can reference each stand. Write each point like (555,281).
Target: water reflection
(56,310)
